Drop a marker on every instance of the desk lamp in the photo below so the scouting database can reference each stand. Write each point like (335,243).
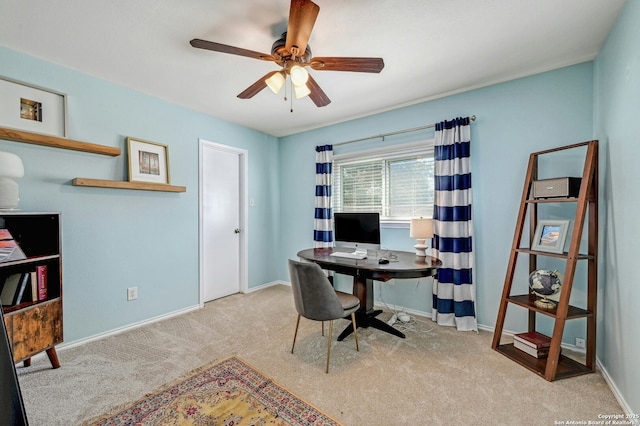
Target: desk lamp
(10,168)
(421,229)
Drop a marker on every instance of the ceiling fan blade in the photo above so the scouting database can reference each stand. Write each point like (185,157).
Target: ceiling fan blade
(256,87)
(224,48)
(317,95)
(302,17)
(374,65)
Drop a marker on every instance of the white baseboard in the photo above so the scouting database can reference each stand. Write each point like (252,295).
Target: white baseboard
(119,330)
(616,392)
(263,286)
(381,305)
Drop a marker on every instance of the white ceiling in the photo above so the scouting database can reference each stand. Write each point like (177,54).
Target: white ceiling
(431,48)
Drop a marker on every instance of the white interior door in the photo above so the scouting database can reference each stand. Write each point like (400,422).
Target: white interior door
(222,220)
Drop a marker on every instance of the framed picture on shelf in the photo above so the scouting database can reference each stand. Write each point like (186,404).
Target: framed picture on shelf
(550,236)
(32,108)
(148,161)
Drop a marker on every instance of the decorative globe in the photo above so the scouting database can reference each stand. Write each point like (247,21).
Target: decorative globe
(546,284)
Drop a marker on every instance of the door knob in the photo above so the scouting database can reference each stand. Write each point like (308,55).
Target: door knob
(237,230)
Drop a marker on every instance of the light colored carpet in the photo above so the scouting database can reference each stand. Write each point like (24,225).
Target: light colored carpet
(441,377)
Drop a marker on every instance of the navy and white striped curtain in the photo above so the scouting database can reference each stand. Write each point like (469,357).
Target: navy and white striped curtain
(454,291)
(322,226)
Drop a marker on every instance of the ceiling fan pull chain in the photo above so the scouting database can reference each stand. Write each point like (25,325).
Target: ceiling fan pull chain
(291,98)
(285,89)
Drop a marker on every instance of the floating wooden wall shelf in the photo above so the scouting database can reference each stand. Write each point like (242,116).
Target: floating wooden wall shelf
(64,143)
(57,142)
(144,186)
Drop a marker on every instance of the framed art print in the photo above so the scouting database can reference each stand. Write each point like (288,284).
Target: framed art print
(550,236)
(31,108)
(148,161)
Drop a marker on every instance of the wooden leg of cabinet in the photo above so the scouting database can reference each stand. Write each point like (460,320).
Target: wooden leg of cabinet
(27,362)
(53,357)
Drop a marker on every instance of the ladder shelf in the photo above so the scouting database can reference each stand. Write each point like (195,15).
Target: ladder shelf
(556,365)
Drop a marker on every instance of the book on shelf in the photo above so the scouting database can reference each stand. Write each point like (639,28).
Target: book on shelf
(9,287)
(34,285)
(538,353)
(13,289)
(533,339)
(41,276)
(534,343)
(24,280)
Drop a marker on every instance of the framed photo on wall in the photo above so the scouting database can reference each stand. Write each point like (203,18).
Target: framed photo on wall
(550,236)
(32,108)
(148,161)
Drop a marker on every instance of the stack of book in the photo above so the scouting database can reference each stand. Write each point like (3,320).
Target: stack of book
(9,249)
(534,343)
(19,286)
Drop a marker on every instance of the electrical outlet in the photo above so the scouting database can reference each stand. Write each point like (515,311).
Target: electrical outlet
(132,293)
(579,342)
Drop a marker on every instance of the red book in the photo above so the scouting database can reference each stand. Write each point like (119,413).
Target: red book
(41,273)
(533,339)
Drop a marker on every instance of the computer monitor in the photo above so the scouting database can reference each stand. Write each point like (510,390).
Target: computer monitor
(360,231)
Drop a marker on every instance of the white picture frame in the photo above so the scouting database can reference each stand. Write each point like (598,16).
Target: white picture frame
(32,108)
(550,236)
(148,161)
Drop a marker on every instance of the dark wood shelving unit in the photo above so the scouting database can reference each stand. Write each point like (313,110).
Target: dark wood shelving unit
(555,365)
(35,326)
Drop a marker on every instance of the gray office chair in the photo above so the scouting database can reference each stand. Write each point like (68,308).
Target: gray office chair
(316,299)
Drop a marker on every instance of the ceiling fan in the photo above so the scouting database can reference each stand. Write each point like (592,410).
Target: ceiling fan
(293,54)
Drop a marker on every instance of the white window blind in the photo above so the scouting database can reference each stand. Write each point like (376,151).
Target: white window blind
(397,183)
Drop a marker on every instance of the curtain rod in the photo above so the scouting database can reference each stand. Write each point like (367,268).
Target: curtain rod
(383,135)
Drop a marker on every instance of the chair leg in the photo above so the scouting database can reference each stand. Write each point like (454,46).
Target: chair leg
(295,334)
(322,327)
(329,344)
(355,329)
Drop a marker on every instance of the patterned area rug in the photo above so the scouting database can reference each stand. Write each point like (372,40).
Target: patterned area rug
(230,393)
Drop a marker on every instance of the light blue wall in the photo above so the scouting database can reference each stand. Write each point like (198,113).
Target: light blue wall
(617,125)
(514,119)
(114,239)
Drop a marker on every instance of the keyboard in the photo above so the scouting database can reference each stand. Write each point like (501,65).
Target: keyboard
(347,255)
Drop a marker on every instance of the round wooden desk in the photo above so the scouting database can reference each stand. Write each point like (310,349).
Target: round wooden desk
(365,271)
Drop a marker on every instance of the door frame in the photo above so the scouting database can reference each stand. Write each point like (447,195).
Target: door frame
(243,180)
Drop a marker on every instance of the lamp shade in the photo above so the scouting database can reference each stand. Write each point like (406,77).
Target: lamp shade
(10,166)
(421,228)
(275,82)
(301,91)
(299,75)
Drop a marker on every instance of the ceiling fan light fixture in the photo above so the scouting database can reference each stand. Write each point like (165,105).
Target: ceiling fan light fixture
(275,82)
(301,90)
(299,75)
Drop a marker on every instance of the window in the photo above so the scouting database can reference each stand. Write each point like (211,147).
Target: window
(396,182)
